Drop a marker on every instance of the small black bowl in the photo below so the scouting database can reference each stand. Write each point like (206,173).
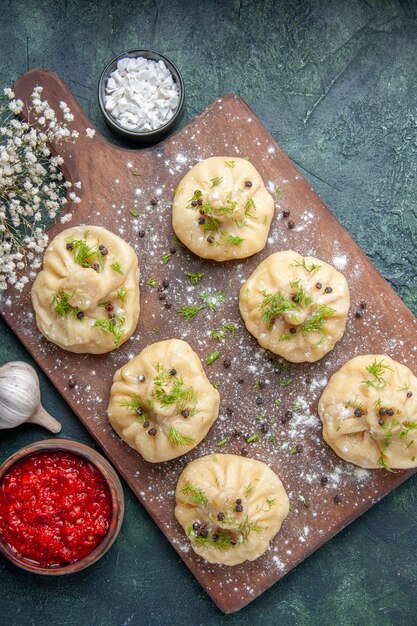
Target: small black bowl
(147,136)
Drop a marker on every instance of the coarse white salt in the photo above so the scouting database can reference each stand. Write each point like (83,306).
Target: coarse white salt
(340,261)
(141,94)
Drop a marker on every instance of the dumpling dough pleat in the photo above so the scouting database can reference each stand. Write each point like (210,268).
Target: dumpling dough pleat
(369,413)
(230,507)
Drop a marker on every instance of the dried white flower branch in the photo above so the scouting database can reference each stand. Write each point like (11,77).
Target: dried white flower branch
(32,185)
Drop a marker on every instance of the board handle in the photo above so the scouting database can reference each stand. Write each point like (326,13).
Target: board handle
(78,154)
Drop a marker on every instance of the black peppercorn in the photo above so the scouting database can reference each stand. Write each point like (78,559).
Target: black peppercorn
(173,371)
(233,542)
(194,203)
(109,306)
(69,246)
(152,432)
(363,304)
(337,499)
(319,285)
(110,315)
(229,410)
(264,427)
(248,183)
(168,305)
(358,413)
(382,411)
(215,537)
(203,532)
(390,412)
(295,298)
(72,381)
(259,400)
(162,296)
(244,452)
(381,421)
(139,411)
(299,448)
(202,211)
(240,381)
(286,213)
(199,202)
(196,526)
(238,501)
(113,321)
(146,424)
(80,315)
(141,378)
(103,250)
(185,413)
(211,239)
(238,508)
(201,220)
(154,200)
(290,224)
(227,363)
(409,394)
(96,267)
(324,480)
(293,331)
(165,283)
(141,234)
(172,249)
(220,516)
(358,314)
(328,290)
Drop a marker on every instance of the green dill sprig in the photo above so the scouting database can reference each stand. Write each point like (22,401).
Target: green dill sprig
(252,438)
(249,489)
(382,463)
(275,304)
(194,278)
(216,181)
(169,389)
(189,312)
(316,322)
(134,405)
(227,238)
(116,267)
(82,253)
(197,495)
(211,225)
(152,282)
(122,293)
(134,213)
(166,257)
(62,307)
(377,371)
(221,443)
(220,333)
(310,269)
(249,206)
(212,299)
(212,357)
(179,439)
(113,326)
(229,163)
(300,296)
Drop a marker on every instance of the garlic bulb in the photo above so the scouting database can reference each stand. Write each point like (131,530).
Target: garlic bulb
(20,398)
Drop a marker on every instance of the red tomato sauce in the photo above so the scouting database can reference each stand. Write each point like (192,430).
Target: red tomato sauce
(55,507)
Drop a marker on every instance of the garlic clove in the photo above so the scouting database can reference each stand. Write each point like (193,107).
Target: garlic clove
(20,399)
(43,418)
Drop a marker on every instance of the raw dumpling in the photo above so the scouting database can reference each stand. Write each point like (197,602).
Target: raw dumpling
(86,298)
(369,413)
(161,402)
(230,506)
(222,210)
(295,306)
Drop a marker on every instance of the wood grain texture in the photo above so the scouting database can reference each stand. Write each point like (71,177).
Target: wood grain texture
(110,191)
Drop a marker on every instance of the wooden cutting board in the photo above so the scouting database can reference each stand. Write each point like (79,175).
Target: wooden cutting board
(116,181)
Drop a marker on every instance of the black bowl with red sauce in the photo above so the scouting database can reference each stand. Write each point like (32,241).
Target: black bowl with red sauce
(61,507)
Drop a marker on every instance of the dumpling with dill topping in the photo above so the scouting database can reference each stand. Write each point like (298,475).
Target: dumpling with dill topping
(86,297)
(295,306)
(369,413)
(161,402)
(222,209)
(230,507)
